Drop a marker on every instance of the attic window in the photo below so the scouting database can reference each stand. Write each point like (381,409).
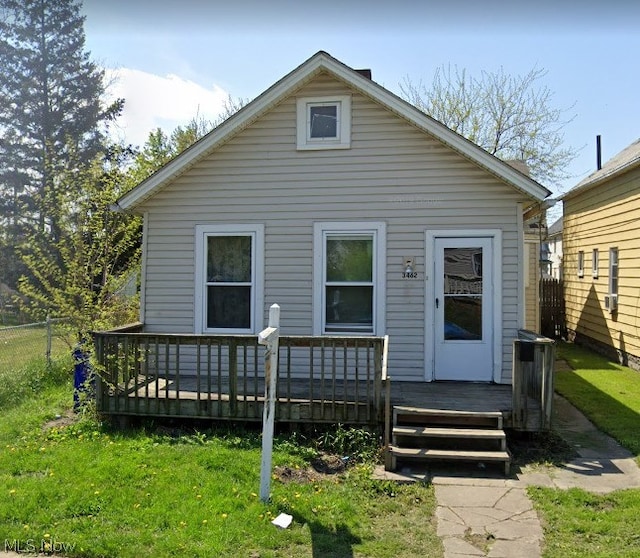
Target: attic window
(324,122)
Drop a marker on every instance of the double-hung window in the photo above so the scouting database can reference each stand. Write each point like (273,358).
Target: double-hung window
(229,263)
(324,122)
(595,263)
(613,273)
(349,278)
(581,263)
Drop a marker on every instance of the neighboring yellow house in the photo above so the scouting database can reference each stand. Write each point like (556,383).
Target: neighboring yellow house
(601,245)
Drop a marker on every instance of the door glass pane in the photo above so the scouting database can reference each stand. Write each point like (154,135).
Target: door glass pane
(463,318)
(229,307)
(349,258)
(463,293)
(349,308)
(228,259)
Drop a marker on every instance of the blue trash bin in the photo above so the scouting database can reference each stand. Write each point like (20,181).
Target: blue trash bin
(83,381)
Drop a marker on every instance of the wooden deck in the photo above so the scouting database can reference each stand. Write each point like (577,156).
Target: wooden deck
(453,396)
(320,380)
(335,401)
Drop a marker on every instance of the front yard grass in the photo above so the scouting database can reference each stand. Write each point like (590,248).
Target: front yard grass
(79,488)
(576,522)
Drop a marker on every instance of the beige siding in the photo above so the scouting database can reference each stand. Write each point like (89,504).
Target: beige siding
(393,173)
(604,217)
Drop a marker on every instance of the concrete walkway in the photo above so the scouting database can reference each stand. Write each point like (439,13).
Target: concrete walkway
(481,513)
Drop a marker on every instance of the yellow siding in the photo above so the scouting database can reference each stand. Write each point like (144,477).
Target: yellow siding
(392,173)
(606,216)
(532,287)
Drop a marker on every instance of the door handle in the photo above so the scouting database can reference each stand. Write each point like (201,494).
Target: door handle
(437,303)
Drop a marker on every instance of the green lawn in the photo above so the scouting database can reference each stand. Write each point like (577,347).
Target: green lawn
(578,523)
(19,346)
(88,490)
(608,393)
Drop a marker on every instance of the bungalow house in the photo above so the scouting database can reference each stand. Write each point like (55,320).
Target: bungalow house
(601,252)
(393,246)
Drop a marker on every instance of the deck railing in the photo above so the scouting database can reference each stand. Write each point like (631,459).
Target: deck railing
(533,379)
(320,379)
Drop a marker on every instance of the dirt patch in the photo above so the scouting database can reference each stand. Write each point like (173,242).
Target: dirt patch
(320,468)
(60,421)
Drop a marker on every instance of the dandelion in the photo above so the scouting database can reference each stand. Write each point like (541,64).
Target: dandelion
(25,527)
(183,524)
(297,494)
(224,516)
(47,536)
(204,522)
(254,495)
(12,491)
(136,506)
(96,492)
(198,496)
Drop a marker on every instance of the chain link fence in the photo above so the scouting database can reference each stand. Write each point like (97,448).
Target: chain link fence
(22,344)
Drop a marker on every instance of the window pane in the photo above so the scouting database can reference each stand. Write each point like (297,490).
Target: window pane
(228,259)
(462,271)
(349,258)
(463,317)
(349,309)
(229,307)
(323,121)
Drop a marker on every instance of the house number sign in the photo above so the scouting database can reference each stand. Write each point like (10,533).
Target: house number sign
(410,275)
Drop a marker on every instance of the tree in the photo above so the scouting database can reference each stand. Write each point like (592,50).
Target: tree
(51,107)
(160,148)
(512,117)
(83,273)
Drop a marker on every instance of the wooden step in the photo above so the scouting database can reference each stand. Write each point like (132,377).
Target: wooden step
(435,432)
(446,417)
(446,412)
(451,455)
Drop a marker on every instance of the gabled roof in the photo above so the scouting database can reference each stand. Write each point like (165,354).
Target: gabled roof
(556,228)
(323,62)
(626,160)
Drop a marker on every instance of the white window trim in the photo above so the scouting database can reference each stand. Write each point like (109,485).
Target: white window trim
(343,141)
(581,263)
(256,232)
(320,231)
(595,263)
(613,250)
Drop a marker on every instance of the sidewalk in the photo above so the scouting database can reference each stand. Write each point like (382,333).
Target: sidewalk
(480,514)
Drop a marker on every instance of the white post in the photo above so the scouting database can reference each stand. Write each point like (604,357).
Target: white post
(269,337)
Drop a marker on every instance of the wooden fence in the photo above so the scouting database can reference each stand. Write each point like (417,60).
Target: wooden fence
(552,310)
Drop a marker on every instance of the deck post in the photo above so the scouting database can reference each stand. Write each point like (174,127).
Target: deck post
(269,338)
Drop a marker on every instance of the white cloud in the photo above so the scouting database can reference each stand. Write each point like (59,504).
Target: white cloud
(153,101)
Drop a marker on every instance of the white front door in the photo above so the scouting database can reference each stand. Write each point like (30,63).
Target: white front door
(463,306)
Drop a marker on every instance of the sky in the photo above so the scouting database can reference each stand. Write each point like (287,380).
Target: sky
(173,60)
